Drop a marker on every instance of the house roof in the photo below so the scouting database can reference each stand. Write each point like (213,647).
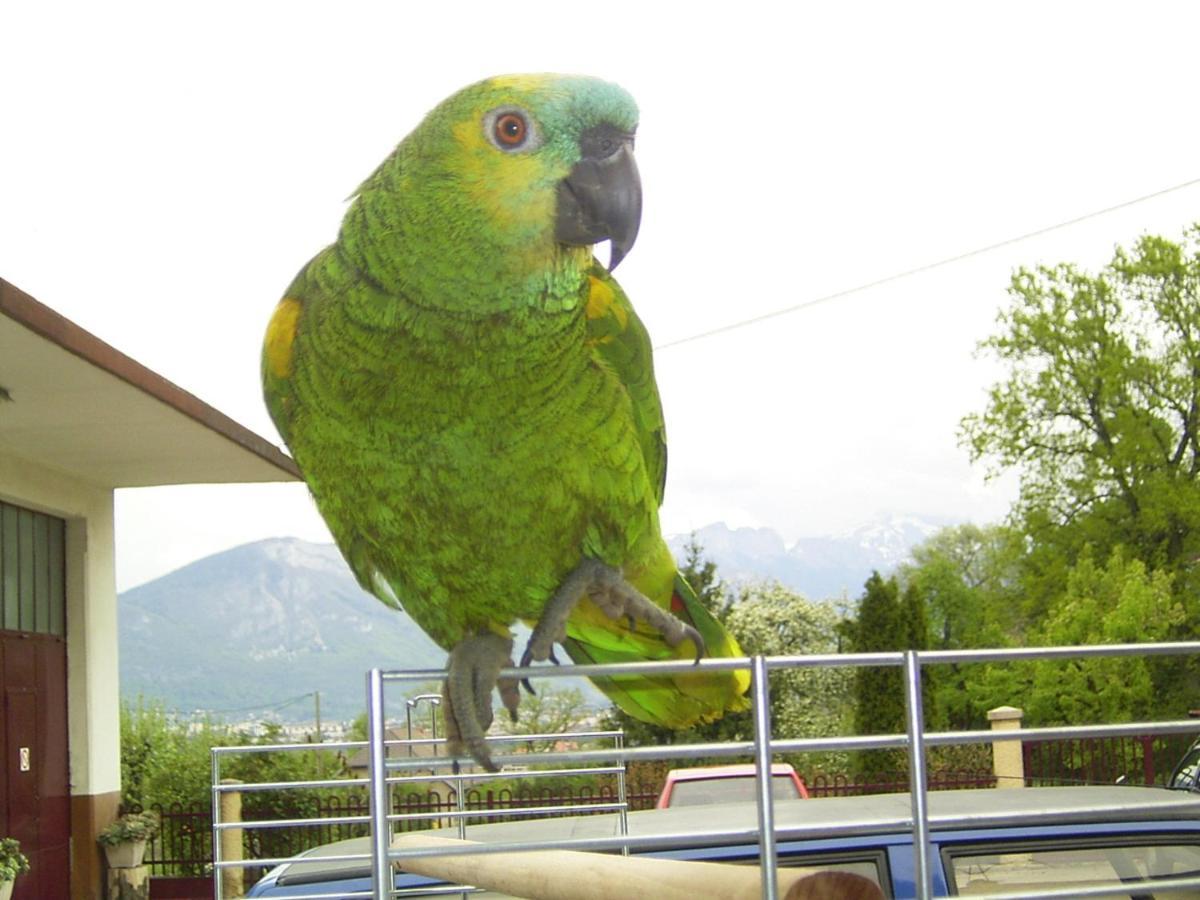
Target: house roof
(78,405)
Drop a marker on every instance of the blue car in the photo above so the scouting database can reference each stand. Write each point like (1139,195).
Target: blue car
(984,842)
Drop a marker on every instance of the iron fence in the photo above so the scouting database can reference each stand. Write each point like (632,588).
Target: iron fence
(1139,759)
(838,785)
(183,846)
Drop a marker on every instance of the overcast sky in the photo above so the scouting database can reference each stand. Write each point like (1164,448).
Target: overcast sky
(166,168)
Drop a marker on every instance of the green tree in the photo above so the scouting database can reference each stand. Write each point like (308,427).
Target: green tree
(701,573)
(878,690)
(771,620)
(1100,411)
(164,761)
(1120,602)
(552,710)
(969,581)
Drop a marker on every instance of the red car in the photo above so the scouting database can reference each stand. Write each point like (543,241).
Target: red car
(726,784)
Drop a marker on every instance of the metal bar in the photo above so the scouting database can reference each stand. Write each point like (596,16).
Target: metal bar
(922,849)
(1178,648)
(292,785)
(272,748)
(928,657)
(462,813)
(279,860)
(293,823)
(767,855)
(381,868)
(215,818)
(803,745)
(622,792)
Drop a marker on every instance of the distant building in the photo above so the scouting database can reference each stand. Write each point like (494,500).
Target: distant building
(79,419)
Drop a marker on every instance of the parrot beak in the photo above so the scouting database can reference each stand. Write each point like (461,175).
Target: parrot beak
(601,197)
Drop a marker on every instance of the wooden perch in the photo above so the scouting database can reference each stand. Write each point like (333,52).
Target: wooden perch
(575,875)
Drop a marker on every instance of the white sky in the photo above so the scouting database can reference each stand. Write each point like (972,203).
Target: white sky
(165,168)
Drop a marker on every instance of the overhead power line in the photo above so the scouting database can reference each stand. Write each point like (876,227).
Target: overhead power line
(261,707)
(908,273)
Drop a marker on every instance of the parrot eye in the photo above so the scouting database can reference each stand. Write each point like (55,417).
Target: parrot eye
(511,129)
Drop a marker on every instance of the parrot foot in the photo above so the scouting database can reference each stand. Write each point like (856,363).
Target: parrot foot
(616,597)
(472,670)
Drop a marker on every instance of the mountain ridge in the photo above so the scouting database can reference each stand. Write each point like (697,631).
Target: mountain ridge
(253,630)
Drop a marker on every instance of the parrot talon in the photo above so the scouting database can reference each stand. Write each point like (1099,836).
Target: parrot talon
(529,687)
(617,598)
(694,636)
(472,670)
(553,658)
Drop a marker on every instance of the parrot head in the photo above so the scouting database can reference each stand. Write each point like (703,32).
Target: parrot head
(506,185)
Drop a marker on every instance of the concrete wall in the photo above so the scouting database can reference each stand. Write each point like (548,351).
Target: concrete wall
(93,694)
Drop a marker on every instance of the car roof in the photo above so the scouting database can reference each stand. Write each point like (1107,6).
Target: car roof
(873,814)
(740,770)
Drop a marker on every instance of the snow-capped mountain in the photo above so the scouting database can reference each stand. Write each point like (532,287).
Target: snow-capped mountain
(821,568)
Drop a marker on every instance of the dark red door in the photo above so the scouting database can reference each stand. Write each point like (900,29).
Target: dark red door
(34,788)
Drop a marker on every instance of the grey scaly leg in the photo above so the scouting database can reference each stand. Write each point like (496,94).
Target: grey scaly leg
(473,669)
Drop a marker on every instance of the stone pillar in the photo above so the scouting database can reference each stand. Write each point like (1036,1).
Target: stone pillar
(129,883)
(1008,763)
(232,882)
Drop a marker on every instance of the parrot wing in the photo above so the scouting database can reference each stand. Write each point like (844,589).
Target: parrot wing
(620,341)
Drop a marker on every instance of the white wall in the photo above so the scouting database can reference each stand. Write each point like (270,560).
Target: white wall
(93,693)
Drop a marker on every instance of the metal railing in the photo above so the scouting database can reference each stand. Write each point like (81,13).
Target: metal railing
(386,771)
(458,809)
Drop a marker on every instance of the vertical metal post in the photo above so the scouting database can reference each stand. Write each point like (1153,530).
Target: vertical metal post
(408,708)
(218,894)
(381,866)
(622,794)
(459,794)
(923,869)
(767,857)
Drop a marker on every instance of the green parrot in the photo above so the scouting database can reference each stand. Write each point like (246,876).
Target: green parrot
(471,399)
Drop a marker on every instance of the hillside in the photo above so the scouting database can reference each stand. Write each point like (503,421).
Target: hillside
(264,622)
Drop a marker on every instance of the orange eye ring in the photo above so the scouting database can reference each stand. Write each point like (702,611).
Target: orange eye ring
(511,129)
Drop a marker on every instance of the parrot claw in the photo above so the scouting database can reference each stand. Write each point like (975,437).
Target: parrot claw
(609,590)
(473,669)
(527,659)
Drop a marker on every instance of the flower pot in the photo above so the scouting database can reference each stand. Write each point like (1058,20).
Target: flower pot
(125,855)
(6,889)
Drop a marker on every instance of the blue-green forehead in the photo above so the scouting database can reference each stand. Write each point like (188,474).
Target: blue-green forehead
(558,102)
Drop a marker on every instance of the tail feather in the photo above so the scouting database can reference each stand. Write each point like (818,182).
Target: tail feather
(675,701)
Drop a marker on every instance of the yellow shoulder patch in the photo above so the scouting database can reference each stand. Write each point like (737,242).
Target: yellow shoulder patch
(281,332)
(602,302)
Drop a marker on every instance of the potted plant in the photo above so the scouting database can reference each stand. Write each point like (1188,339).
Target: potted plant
(124,841)
(12,864)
